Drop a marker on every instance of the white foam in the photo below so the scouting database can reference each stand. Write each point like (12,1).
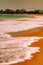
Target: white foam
(15,26)
(27,56)
(16,49)
(20,41)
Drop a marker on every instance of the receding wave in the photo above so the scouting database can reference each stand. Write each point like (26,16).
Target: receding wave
(16,49)
(15,26)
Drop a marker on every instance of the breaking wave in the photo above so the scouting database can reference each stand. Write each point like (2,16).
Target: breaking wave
(15,26)
(16,49)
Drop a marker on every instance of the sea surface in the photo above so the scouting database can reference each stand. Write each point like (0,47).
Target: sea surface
(17,45)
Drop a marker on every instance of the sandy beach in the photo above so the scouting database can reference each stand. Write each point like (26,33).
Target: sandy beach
(24,27)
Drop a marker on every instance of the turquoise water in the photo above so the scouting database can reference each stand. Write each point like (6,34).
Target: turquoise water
(14,16)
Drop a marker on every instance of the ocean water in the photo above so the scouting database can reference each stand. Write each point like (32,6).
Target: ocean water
(18,49)
(15,26)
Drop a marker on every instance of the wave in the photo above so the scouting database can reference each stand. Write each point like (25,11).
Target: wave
(15,26)
(16,49)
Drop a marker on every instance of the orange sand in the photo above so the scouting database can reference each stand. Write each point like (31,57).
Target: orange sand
(37,57)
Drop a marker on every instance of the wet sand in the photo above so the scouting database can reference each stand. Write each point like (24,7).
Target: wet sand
(37,57)
(37,32)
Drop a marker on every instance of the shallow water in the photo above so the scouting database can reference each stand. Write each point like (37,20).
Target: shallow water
(14,50)
(18,49)
(15,26)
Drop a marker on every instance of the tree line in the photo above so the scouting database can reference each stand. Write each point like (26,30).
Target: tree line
(22,11)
